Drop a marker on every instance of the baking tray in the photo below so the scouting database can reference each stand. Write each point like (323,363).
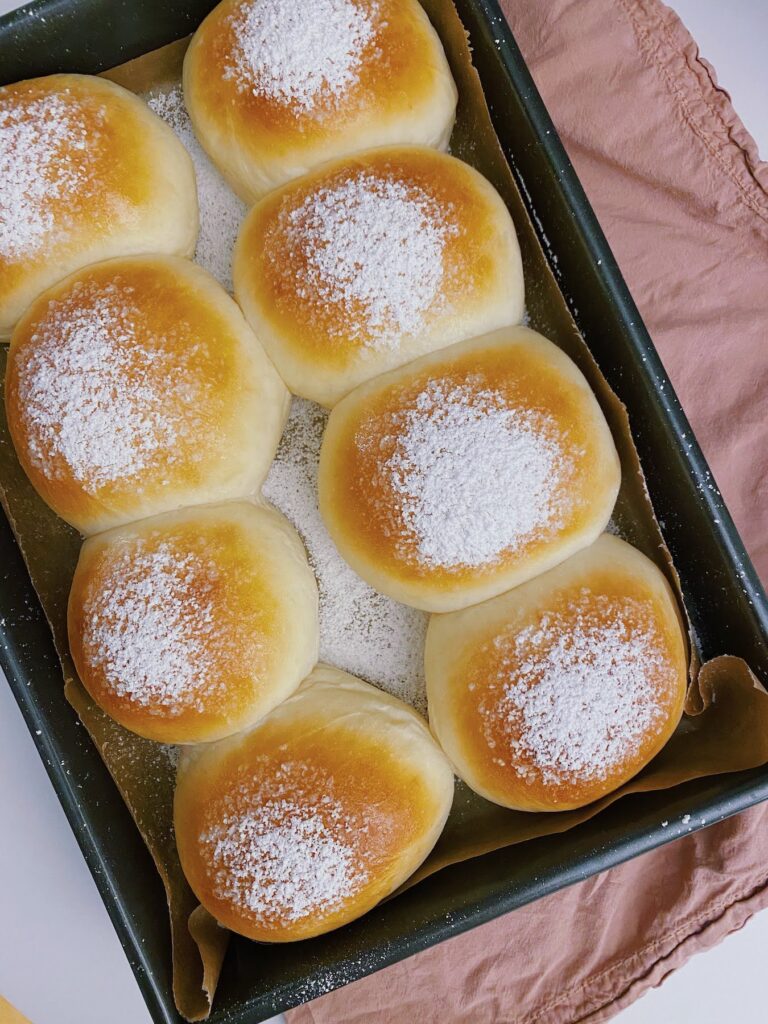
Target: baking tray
(726,603)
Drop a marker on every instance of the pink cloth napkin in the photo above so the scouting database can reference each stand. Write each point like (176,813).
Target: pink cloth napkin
(676,182)
(682,196)
(581,954)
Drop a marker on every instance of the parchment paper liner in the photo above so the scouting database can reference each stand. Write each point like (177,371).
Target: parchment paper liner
(726,723)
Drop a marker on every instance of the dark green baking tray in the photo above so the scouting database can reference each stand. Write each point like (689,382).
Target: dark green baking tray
(724,598)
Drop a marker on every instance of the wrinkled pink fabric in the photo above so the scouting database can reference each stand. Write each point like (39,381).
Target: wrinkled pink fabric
(683,199)
(581,954)
(676,182)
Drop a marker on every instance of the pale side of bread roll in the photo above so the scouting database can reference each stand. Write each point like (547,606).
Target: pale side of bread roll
(134,387)
(310,819)
(87,172)
(468,471)
(192,625)
(560,691)
(372,261)
(275,88)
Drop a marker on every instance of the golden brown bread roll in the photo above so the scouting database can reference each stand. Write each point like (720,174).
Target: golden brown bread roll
(468,471)
(87,172)
(276,87)
(554,694)
(307,821)
(134,387)
(372,261)
(189,626)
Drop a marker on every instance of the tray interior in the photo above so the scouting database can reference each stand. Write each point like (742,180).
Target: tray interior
(726,603)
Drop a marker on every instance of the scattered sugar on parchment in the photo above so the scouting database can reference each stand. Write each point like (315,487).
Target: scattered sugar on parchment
(44,147)
(373,247)
(614,527)
(476,478)
(127,753)
(152,631)
(300,54)
(171,755)
(285,852)
(221,212)
(95,393)
(580,689)
(361,631)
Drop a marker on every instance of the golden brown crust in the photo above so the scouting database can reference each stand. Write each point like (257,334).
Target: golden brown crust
(89,173)
(189,626)
(369,511)
(135,386)
(603,628)
(326,340)
(400,90)
(306,822)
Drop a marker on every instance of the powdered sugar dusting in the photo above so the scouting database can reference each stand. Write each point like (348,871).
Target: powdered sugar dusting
(151,628)
(97,392)
(221,211)
(361,631)
(284,852)
(373,248)
(45,143)
(298,54)
(475,478)
(579,689)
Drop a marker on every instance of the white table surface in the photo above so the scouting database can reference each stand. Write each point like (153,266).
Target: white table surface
(60,961)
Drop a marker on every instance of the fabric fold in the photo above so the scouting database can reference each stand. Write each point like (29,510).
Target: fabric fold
(681,193)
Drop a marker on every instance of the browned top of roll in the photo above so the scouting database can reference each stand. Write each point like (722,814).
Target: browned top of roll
(135,386)
(87,171)
(482,460)
(70,140)
(188,626)
(314,816)
(556,693)
(272,93)
(443,247)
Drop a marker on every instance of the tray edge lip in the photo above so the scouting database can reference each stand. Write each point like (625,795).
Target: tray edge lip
(50,753)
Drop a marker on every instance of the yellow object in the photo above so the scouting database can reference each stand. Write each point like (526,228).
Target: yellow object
(10,1015)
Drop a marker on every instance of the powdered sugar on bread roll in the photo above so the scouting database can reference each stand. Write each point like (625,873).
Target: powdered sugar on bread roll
(322,810)
(372,261)
(559,691)
(135,387)
(468,471)
(87,172)
(277,87)
(189,626)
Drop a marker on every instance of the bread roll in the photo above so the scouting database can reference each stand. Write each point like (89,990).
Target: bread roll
(307,821)
(276,87)
(556,693)
(372,261)
(134,387)
(87,172)
(191,625)
(468,471)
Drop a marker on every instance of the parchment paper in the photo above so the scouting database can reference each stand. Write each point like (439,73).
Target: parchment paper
(726,723)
